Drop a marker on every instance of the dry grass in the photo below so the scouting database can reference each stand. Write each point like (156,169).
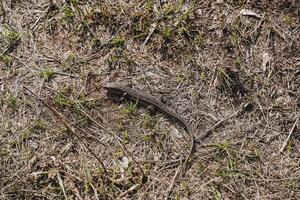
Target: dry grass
(204,57)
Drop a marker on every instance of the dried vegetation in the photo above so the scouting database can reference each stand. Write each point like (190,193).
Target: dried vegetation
(207,58)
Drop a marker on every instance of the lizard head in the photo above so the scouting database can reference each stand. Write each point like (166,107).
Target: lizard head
(113,88)
(110,85)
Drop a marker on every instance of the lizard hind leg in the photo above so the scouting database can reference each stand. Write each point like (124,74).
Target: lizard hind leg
(117,98)
(152,109)
(165,99)
(123,97)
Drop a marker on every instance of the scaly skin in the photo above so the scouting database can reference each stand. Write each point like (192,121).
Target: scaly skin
(144,97)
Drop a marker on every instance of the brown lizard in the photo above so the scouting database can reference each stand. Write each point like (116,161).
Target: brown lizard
(146,98)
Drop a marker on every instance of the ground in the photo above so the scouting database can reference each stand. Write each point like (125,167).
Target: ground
(236,63)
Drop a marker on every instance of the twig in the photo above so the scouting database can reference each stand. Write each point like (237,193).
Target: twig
(32,160)
(151,31)
(219,123)
(172,183)
(288,138)
(2,12)
(124,149)
(129,190)
(75,190)
(96,55)
(69,127)
(202,136)
(66,74)
(61,184)
(91,135)
(34,26)
(6,48)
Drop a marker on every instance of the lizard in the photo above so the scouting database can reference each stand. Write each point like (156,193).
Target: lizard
(148,99)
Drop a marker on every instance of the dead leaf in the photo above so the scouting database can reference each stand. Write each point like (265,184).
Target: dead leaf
(151,31)
(246,12)
(176,133)
(33,144)
(266,59)
(123,162)
(61,184)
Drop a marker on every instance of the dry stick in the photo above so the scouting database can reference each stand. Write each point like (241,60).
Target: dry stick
(129,190)
(34,26)
(32,160)
(92,136)
(202,136)
(69,127)
(288,138)
(96,55)
(151,31)
(172,183)
(66,74)
(75,190)
(124,149)
(219,123)
(6,48)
